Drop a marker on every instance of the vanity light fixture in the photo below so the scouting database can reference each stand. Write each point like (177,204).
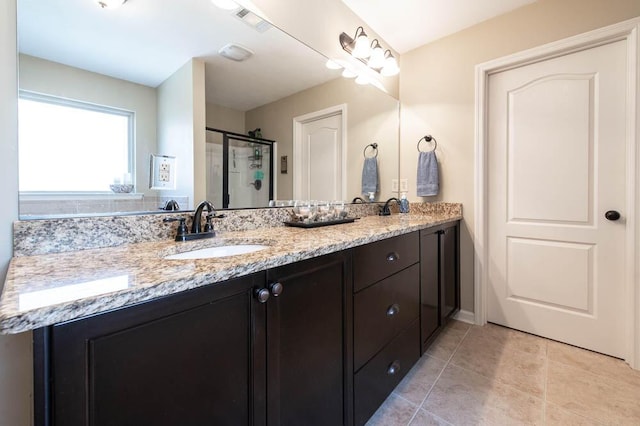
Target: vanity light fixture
(111,4)
(347,73)
(379,60)
(332,65)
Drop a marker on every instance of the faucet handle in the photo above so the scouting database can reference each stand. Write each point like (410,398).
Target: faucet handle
(208,226)
(182,226)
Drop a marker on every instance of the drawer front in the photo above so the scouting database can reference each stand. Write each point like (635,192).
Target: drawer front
(378,260)
(383,310)
(382,374)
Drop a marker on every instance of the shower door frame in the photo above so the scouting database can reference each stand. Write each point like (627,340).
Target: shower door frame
(226,137)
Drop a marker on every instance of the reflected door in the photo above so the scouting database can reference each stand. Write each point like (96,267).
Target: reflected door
(556,166)
(321,168)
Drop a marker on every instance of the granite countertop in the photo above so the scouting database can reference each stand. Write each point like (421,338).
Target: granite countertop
(47,289)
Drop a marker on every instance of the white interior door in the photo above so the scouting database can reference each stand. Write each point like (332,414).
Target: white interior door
(556,160)
(321,159)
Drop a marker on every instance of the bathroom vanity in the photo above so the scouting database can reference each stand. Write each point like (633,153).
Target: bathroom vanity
(318,329)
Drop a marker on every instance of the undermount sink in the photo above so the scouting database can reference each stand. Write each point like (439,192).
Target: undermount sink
(220,251)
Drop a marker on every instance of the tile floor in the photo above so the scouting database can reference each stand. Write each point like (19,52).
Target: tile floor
(494,375)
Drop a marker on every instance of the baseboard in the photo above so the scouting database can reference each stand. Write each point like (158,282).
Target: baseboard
(465,316)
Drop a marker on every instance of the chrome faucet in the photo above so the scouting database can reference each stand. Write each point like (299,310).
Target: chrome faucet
(197,217)
(384,211)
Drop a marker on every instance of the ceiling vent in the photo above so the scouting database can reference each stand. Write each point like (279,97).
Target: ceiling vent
(235,52)
(253,20)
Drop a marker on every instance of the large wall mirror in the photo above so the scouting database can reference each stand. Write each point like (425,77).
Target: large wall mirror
(143,83)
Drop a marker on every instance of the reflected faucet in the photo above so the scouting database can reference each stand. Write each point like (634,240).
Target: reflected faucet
(384,210)
(355,200)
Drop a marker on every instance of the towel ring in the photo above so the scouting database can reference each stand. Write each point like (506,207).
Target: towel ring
(375,150)
(428,138)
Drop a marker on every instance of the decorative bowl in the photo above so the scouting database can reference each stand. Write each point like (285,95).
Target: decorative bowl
(120,188)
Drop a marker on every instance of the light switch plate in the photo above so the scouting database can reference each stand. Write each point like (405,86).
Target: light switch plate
(394,185)
(404,186)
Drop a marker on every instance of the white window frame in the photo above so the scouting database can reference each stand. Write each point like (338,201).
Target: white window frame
(73,103)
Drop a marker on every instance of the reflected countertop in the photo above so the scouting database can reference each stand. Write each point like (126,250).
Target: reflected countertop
(47,289)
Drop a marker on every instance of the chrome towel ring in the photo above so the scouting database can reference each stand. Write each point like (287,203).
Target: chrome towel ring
(428,138)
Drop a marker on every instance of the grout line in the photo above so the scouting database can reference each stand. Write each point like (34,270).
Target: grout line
(440,374)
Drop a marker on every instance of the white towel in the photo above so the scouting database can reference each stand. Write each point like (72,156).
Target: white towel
(428,182)
(370,175)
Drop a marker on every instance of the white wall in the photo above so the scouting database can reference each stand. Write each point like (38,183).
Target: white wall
(181,128)
(437,93)
(56,79)
(15,350)
(372,116)
(223,118)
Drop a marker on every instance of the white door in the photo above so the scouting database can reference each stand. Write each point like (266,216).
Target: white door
(321,159)
(556,158)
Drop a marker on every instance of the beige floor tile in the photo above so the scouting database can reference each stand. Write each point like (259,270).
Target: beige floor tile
(418,382)
(593,396)
(447,342)
(462,397)
(523,370)
(511,339)
(556,416)
(425,418)
(395,411)
(593,362)
(459,325)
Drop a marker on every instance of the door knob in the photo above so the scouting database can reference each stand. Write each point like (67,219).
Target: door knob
(612,215)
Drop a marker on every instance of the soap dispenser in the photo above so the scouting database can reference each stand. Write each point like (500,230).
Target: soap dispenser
(404,203)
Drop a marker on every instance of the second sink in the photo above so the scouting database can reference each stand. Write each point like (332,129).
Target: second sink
(214,252)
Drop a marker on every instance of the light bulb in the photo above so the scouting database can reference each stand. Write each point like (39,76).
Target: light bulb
(377,59)
(361,47)
(347,73)
(362,79)
(390,67)
(332,65)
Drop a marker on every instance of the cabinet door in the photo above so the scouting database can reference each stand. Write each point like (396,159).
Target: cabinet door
(429,285)
(450,299)
(307,338)
(182,359)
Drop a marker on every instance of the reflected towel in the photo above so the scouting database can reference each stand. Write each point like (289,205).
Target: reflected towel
(370,175)
(428,183)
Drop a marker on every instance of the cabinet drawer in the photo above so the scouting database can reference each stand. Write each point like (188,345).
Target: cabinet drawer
(378,260)
(383,310)
(382,374)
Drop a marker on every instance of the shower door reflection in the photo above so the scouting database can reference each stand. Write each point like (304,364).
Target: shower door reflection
(239,170)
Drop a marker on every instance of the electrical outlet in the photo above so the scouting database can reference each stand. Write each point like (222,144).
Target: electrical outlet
(394,185)
(164,174)
(404,186)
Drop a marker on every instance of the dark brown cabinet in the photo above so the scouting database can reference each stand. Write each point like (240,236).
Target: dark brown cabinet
(318,342)
(386,319)
(307,343)
(439,279)
(184,359)
(223,354)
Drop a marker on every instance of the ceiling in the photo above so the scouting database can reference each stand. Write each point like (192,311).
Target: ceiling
(423,21)
(146,41)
